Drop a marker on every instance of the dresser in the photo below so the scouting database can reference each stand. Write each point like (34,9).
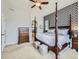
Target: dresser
(75,42)
(23,35)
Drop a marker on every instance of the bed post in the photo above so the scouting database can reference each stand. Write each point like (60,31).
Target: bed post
(70,31)
(70,27)
(56,33)
(35,28)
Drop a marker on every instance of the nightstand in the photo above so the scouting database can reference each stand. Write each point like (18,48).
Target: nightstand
(75,42)
(33,36)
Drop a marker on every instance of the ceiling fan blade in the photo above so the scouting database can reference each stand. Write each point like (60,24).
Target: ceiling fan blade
(32,0)
(33,6)
(40,7)
(44,2)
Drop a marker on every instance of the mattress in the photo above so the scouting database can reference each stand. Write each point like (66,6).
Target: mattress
(50,39)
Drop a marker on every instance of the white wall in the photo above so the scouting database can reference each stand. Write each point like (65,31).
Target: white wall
(17,15)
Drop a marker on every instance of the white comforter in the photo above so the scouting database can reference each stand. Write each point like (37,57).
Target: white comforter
(50,39)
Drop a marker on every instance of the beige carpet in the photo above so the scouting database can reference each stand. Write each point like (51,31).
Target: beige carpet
(27,51)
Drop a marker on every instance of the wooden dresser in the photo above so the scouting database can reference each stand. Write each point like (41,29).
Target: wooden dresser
(75,42)
(23,34)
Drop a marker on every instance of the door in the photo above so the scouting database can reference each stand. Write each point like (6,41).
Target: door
(3,41)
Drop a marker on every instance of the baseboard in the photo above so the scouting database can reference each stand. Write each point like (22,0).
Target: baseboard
(12,43)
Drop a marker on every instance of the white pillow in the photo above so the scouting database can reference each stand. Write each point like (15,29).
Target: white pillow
(52,30)
(39,31)
(63,31)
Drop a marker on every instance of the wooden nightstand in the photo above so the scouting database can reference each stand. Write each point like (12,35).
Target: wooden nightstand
(75,42)
(33,36)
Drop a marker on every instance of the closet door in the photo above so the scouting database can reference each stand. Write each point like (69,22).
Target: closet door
(3,40)
(23,35)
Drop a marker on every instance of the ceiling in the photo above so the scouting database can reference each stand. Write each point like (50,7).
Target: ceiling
(25,6)
(50,8)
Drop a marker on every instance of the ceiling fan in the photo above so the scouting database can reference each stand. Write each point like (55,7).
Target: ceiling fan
(38,3)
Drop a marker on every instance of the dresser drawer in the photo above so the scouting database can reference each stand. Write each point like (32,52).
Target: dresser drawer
(24,34)
(75,43)
(75,46)
(24,38)
(75,40)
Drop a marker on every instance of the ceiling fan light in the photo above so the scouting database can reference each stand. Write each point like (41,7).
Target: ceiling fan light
(38,4)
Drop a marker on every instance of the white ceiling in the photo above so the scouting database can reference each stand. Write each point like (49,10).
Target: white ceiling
(50,8)
(46,9)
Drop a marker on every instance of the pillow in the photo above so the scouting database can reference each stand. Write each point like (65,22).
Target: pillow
(39,31)
(51,31)
(63,31)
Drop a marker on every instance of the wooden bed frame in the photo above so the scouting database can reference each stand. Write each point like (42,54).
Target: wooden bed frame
(56,49)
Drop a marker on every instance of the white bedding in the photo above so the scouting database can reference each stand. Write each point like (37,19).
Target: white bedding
(50,39)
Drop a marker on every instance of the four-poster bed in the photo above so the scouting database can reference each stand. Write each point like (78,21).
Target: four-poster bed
(55,48)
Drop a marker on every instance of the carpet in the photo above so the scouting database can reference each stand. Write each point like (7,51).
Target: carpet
(27,51)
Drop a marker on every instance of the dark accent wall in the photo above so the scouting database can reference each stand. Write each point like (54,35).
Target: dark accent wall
(63,16)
